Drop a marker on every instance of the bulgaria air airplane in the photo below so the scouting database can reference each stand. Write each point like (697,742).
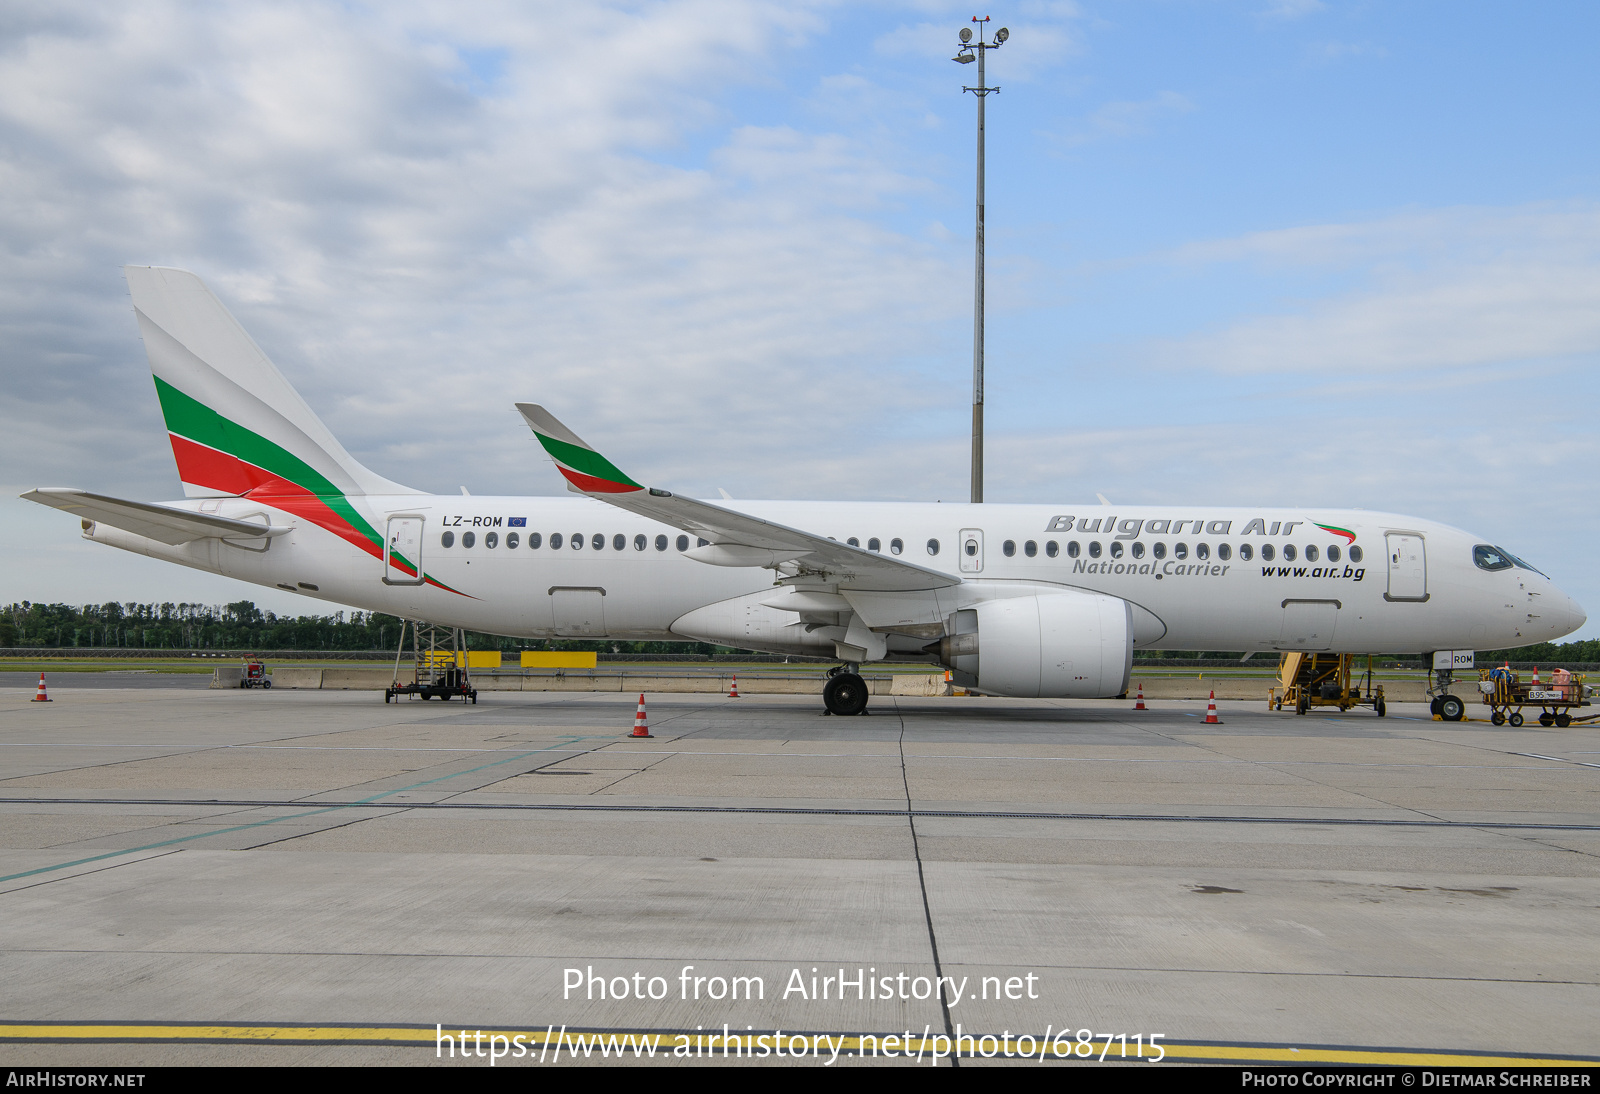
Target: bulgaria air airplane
(1020,600)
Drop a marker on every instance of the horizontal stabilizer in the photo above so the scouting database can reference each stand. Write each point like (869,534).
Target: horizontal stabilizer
(157,522)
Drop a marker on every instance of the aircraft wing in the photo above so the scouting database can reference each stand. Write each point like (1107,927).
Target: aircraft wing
(735,539)
(157,522)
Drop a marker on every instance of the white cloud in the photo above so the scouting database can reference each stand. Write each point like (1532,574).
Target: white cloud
(416,254)
(1125,119)
(1440,290)
(1292,9)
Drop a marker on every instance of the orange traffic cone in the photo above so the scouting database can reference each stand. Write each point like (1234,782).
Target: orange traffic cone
(1535,676)
(734,693)
(1140,704)
(41,697)
(641,728)
(1211,711)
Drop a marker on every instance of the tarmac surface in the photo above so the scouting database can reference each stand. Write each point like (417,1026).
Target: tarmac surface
(192,876)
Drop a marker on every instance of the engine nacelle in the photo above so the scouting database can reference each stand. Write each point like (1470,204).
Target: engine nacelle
(1066,645)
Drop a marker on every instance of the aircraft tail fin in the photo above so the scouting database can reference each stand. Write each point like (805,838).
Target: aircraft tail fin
(236,425)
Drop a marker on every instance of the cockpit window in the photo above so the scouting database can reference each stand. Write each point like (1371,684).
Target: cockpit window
(1490,558)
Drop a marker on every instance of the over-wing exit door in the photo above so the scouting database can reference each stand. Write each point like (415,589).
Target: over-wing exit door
(971,547)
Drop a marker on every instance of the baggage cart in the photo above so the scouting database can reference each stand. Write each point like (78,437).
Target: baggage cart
(1506,693)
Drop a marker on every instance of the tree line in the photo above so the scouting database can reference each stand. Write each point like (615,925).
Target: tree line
(242,626)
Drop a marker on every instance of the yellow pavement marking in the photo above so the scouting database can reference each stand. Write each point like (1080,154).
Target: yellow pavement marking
(419,1036)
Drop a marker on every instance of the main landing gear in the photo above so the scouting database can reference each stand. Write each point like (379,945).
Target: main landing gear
(845,692)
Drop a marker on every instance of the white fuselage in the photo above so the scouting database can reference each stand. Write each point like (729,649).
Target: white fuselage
(1198,578)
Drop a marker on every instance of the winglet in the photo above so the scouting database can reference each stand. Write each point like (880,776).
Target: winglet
(584,468)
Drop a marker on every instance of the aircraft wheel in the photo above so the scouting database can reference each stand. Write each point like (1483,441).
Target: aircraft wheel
(1433,707)
(1515,719)
(388,696)
(1497,718)
(845,694)
(1451,709)
(1382,708)
(1547,719)
(1563,720)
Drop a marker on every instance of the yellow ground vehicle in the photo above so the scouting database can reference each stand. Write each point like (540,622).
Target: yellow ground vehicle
(1307,680)
(1505,693)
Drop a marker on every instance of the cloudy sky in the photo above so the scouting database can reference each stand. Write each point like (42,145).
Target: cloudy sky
(1267,252)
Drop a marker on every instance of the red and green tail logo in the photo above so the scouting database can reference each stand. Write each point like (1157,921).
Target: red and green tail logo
(217,454)
(585,468)
(1349,536)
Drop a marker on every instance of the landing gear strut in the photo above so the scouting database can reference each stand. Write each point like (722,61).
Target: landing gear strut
(845,692)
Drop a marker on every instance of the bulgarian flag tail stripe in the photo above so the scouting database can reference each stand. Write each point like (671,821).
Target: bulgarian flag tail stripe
(217,454)
(582,466)
(1349,536)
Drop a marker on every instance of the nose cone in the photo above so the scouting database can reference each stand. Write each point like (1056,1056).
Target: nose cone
(1576,616)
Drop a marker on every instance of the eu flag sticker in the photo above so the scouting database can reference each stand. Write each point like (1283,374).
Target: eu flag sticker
(517,522)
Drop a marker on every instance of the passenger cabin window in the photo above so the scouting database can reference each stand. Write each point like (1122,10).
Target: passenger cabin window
(933,546)
(1180,550)
(1052,548)
(853,541)
(1288,552)
(1311,553)
(1483,556)
(449,540)
(1202,551)
(535,541)
(1009,548)
(512,539)
(896,546)
(468,539)
(1267,552)
(556,542)
(640,543)
(1224,552)
(1116,549)
(1094,548)
(576,541)
(1245,552)
(1333,553)
(492,540)
(702,542)
(1030,548)
(1159,550)
(661,543)
(874,545)
(683,543)
(618,542)
(1072,548)
(598,542)
(1355,553)
(1138,549)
